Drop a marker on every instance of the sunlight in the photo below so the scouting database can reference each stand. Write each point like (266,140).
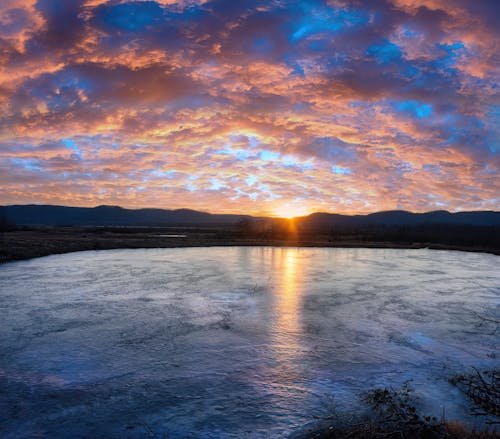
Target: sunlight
(291,210)
(288,297)
(287,308)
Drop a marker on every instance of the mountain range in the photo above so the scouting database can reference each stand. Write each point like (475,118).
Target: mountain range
(49,215)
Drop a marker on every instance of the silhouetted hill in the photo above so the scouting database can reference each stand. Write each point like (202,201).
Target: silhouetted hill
(324,221)
(47,215)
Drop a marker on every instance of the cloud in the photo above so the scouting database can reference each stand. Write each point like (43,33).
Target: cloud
(344,106)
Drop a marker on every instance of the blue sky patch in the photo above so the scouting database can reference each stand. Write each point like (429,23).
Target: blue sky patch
(341,170)
(415,108)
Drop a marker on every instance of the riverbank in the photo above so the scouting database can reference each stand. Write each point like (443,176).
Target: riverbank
(31,243)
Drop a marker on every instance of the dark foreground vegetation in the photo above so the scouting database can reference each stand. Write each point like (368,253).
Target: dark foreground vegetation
(25,242)
(393,414)
(433,235)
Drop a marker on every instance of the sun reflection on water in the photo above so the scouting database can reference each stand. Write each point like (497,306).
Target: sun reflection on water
(287,331)
(288,295)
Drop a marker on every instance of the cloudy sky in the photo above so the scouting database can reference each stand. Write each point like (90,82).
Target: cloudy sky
(276,107)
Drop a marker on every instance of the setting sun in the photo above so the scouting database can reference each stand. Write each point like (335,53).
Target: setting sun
(291,211)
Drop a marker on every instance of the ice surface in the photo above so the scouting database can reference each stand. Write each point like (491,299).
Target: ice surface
(235,342)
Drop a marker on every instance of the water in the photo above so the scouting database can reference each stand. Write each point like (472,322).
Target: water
(235,342)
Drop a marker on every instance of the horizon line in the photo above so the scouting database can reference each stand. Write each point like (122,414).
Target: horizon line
(256,215)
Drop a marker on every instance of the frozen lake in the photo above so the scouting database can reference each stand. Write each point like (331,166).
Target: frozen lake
(235,342)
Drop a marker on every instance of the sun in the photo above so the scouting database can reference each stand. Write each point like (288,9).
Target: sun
(290,210)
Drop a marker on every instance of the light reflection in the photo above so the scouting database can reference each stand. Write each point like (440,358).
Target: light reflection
(287,331)
(287,295)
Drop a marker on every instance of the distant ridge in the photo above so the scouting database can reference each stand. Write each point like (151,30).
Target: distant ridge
(49,215)
(400,218)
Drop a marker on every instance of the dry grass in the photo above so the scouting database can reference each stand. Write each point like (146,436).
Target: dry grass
(396,417)
(461,431)
(483,388)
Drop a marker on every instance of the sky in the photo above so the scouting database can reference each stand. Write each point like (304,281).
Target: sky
(259,107)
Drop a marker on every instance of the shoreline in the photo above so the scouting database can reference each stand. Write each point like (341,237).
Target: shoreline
(33,243)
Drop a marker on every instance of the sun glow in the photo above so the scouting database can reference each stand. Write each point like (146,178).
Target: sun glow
(291,211)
